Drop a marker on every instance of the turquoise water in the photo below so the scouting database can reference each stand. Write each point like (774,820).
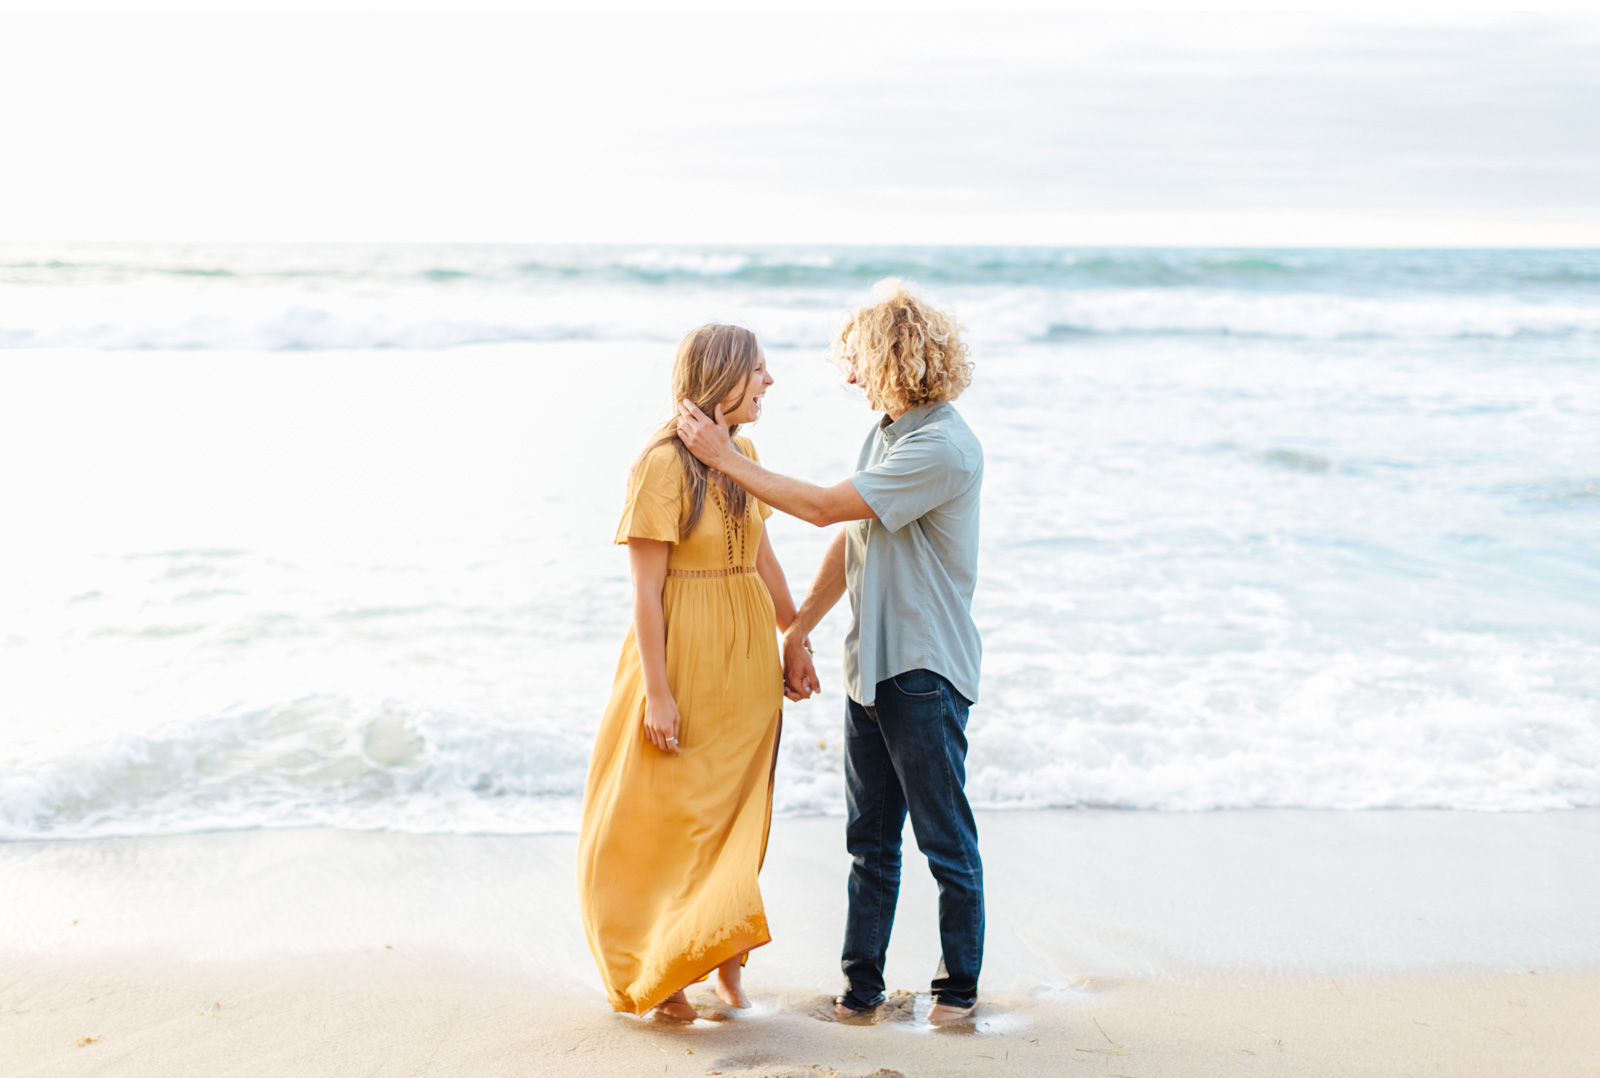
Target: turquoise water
(275,298)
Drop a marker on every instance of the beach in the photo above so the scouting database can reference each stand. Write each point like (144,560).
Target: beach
(1142,944)
(1210,400)
(1287,749)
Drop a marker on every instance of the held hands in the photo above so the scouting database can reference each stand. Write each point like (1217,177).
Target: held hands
(661,724)
(799,674)
(709,439)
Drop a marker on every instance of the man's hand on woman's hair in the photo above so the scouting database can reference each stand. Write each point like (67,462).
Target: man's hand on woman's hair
(709,439)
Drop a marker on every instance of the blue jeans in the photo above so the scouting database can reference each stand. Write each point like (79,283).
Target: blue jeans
(909,752)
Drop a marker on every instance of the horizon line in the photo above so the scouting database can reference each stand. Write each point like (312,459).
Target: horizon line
(972,244)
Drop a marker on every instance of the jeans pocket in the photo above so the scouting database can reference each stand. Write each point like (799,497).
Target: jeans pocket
(918,684)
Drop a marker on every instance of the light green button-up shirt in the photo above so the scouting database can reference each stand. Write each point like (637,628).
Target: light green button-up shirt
(911,572)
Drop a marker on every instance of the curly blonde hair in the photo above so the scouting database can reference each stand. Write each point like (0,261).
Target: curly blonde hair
(903,352)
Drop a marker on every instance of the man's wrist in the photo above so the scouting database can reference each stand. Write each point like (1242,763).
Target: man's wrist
(729,461)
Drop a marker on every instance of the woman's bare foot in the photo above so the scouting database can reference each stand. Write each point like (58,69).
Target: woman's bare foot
(677,1006)
(730,983)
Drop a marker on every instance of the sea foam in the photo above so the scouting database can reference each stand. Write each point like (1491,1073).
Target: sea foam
(1348,732)
(1291,529)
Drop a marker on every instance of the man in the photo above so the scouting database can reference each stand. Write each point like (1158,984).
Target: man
(909,560)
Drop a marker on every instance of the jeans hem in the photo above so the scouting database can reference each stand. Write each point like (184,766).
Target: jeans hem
(855,1005)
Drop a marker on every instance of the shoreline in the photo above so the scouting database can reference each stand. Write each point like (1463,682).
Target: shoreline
(1250,942)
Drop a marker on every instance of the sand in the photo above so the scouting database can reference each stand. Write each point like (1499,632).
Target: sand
(389,1014)
(1274,943)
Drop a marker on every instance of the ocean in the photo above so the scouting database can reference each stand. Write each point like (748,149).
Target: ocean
(302,535)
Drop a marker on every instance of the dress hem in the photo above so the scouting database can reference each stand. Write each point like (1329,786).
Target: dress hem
(726,952)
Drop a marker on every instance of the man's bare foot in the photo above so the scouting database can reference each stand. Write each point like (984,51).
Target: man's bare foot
(943,1013)
(730,983)
(678,1007)
(844,1013)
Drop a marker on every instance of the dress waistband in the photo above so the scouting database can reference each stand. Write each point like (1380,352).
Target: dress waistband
(708,574)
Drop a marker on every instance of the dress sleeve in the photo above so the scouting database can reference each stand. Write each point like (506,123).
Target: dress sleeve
(655,498)
(749,448)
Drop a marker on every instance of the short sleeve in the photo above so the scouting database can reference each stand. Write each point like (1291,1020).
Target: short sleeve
(921,472)
(749,448)
(655,498)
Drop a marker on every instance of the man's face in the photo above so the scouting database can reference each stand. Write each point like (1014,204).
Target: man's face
(850,360)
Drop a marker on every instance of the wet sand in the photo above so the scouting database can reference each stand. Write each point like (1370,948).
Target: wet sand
(1257,942)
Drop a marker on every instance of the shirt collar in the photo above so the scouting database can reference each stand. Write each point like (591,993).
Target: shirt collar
(909,422)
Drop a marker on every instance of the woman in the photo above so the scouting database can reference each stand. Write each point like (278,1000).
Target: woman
(679,797)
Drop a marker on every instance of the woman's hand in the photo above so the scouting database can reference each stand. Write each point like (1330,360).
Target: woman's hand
(661,724)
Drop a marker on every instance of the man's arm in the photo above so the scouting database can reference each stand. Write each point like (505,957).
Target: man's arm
(825,590)
(800,676)
(710,441)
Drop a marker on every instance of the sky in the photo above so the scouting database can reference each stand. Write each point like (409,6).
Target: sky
(879,127)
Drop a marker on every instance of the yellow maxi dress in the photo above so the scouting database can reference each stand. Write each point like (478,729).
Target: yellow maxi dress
(670,846)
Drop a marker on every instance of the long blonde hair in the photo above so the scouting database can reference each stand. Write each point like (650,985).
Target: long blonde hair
(710,364)
(905,353)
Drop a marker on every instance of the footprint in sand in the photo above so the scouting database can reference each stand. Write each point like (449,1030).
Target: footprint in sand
(899,1007)
(713,1009)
